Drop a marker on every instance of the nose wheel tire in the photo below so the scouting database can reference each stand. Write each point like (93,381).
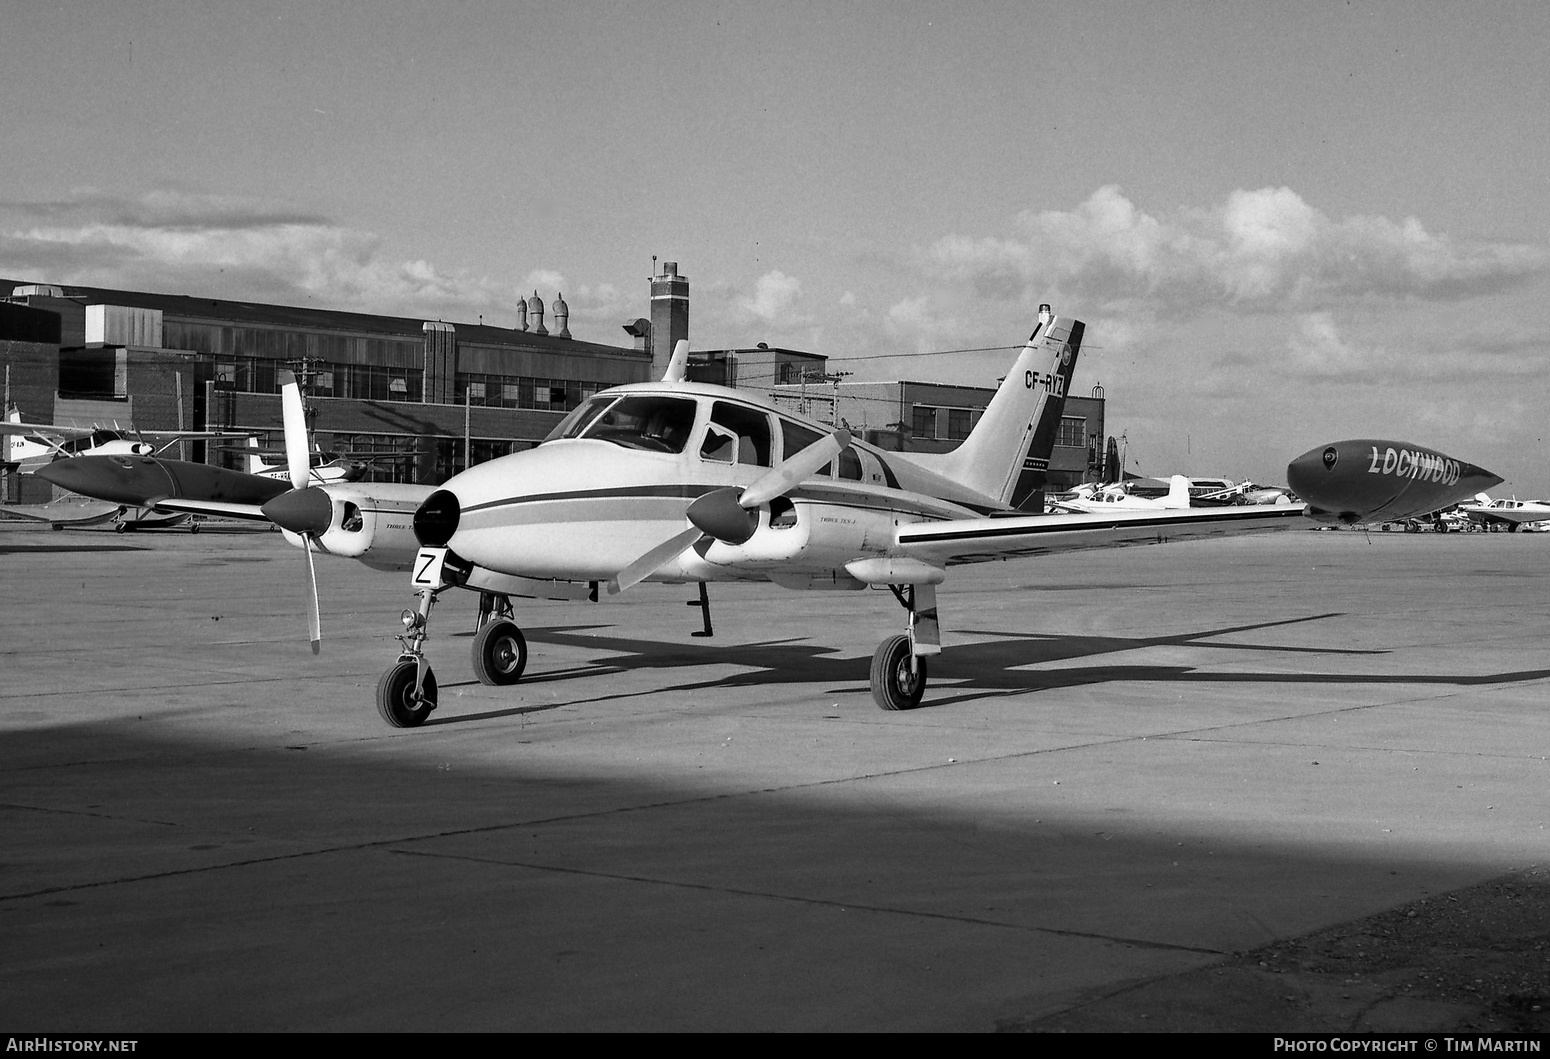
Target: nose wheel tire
(396,698)
(895,685)
(499,653)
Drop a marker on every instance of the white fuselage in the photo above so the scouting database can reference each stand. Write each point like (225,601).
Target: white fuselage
(584,508)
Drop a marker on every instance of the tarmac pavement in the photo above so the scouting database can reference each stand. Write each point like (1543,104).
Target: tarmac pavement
(1133,768)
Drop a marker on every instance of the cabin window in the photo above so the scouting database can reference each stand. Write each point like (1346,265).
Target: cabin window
(850,465)
(752,428)
(794,438)
(720,445)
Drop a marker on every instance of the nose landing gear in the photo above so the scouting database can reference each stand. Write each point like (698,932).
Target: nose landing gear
(406,694)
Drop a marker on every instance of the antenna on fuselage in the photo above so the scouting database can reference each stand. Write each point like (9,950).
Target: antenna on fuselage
(678,367)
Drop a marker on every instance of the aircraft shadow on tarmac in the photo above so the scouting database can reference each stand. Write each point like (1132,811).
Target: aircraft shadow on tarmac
(989,668)
(49,549)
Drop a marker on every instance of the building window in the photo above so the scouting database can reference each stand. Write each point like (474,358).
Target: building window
(1072,433)
(923,425)
(958,420)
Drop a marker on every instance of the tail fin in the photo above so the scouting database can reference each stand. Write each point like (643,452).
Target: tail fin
(1178,493)
(256,464)
(1007,454)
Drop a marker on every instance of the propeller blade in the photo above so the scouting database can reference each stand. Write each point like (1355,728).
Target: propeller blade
(298,454)
(649,563)
(803,464)
(314,622)
(723,513)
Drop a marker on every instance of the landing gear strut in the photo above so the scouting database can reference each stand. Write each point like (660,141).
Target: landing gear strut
(899,665)
(406,694)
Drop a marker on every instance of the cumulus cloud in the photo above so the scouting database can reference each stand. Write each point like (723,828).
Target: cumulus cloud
(1317,348)
(1265,250)
(239,247)
(773,297)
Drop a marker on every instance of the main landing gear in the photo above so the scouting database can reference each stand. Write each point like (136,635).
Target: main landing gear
(406,694)
(899,665)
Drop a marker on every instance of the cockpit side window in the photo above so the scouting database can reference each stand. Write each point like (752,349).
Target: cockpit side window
(752,428)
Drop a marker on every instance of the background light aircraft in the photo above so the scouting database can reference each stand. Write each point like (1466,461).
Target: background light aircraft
(1244,493)
(325,467)
(32,445)
(1511,513)
(683,482)
(1368,480)
(1117,498)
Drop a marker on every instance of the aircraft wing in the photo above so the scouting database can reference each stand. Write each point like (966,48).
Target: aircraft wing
(64,512)
(212,508)
(72,430)
(983,539)
(49,430)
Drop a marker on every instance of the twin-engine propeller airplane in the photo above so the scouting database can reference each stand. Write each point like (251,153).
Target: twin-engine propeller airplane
(683,482)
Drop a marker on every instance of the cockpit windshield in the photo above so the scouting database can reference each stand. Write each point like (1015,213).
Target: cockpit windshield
(652,422)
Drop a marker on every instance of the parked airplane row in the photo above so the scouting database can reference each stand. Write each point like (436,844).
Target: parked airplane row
(686,482)
(33,446)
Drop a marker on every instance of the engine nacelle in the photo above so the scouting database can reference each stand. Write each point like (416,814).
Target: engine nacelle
(808,535)
(372,523)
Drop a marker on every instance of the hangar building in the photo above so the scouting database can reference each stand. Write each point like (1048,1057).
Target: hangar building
(428,397)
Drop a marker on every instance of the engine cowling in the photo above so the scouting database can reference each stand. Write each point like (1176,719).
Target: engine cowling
(372,523)
(807,535)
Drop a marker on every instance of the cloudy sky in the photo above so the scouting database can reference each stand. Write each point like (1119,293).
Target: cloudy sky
(1284,223)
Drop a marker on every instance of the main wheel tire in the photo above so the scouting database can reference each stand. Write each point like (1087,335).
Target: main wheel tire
(895,685)
(395,695)
(499,652)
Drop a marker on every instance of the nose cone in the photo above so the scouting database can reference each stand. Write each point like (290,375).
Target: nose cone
(719,514)
(121,479)
(1329,478)
(436,520)
(308,510)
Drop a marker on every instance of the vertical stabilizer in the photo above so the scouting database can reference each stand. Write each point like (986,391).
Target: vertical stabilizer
(1007,453)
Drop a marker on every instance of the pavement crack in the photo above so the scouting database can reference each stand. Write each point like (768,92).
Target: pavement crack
(822,902)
